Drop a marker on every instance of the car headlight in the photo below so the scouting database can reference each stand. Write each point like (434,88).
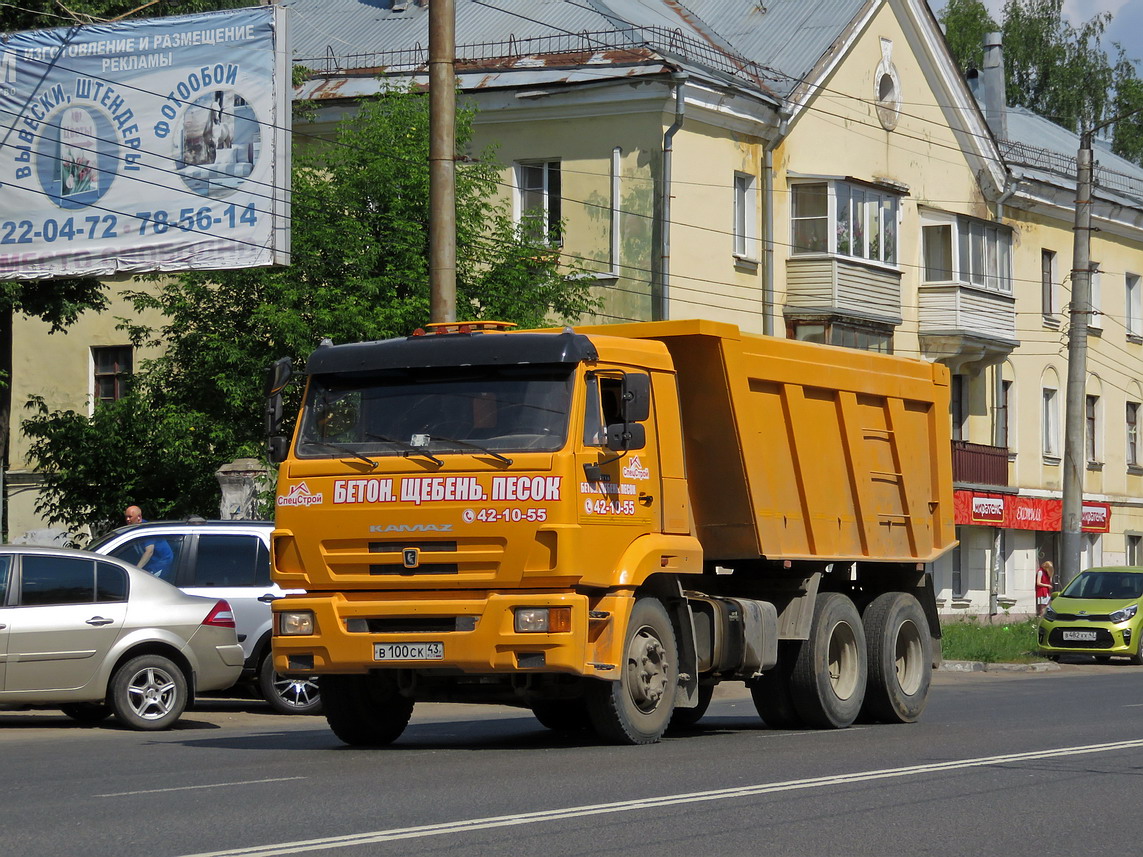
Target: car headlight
(292,623)
(1124,614)
(1049,613)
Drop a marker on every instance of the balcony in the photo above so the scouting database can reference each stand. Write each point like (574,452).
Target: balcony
(964,327)
(978,464)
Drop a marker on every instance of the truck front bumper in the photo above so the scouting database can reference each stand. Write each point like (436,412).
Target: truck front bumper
(476,633)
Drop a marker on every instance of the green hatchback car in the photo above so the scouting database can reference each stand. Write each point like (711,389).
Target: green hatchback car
(1098,613)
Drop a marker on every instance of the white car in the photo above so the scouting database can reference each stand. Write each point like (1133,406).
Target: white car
(223,559)
(94,636)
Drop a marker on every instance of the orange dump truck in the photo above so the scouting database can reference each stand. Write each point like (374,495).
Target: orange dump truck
(602,523)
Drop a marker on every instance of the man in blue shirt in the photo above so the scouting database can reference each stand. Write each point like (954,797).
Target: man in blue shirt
(157,556)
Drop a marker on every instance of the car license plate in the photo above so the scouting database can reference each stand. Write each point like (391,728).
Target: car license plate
(433,651)
(1080,636)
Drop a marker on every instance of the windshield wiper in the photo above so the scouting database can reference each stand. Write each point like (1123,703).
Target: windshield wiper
(410,449)
(350,452)
(507,461)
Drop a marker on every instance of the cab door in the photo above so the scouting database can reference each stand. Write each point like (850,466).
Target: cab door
(619,490)
(64,621)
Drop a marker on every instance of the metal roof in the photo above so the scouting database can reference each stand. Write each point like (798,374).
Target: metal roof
(769,46)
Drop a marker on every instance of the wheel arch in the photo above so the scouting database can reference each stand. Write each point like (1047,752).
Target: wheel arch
(156,647)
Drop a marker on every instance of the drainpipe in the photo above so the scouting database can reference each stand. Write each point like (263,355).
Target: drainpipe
(678,80)
(768,221)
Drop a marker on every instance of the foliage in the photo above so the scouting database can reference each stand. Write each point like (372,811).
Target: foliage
(359,271)
(1055,69)
(969,640)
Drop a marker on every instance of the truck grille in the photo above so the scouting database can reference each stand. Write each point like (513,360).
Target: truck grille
(423,568)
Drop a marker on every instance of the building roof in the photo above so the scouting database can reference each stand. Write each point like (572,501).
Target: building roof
(770,45)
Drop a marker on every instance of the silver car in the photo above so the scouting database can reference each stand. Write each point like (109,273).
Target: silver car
(95,636)
(222,559)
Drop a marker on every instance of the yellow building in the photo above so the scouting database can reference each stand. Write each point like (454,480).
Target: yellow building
(817,169)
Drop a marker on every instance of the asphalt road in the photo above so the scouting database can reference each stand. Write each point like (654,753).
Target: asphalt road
(1001,763)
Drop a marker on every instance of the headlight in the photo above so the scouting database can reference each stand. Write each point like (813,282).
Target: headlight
(1124,614)
(542,620)
(1049,613)
(295,623)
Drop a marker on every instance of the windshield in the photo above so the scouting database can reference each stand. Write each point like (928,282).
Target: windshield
(434,411)
(1105,584)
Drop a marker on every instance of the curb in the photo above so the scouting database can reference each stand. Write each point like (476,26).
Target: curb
(980,666)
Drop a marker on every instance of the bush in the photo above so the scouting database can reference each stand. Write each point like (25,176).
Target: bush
(970,640)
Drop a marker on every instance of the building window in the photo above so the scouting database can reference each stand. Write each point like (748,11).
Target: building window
(1091,428)
(970,251)
(745,216)
(847,334)
(1133,553)
(541,211)
(1091,551)
(958,406)
(1051,423)
(847,219)
(1049,300)
(1134,302)
(1004,414)
(1132,434)
(112,367)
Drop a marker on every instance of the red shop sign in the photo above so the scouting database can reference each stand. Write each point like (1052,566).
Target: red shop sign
(1013,512)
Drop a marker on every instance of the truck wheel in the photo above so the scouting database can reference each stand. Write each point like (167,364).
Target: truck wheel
(828,680)
(771,690)
(637,707)
(288,695)
(148,693)
(900,658)
(562,715)
(688,718)
(365,710)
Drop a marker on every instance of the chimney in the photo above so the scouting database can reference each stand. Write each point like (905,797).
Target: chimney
(993,86)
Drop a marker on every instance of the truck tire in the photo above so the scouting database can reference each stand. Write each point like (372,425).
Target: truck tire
(688,718)
(900,658)
(365,710)
(771,690)
(636,708)
(828,680)
(562,715)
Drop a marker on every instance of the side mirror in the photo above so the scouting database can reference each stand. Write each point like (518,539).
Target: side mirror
(636,398)
(277,447)
(623,437)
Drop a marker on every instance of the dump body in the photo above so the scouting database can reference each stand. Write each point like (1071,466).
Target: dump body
(800,451)
(603,523)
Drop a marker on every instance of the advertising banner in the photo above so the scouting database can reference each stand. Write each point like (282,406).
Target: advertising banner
(157,144)
(1013,512)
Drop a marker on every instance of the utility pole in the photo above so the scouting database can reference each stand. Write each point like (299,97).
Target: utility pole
(1075,459)
(442,160)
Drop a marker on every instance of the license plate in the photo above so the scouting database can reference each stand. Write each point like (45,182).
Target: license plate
(1080,636)
(433,651)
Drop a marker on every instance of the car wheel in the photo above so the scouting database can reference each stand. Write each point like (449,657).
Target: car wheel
(1137,658)
(148,693)
(288,695)
(87,712)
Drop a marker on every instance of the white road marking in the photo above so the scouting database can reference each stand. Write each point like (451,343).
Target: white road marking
(207,786)
(378,836)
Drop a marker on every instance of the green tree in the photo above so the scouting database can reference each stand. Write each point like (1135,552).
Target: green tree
(358,271)
(1054,68)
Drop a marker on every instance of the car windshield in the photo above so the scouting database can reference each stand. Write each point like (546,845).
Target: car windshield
(1105,584)
(434,411)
